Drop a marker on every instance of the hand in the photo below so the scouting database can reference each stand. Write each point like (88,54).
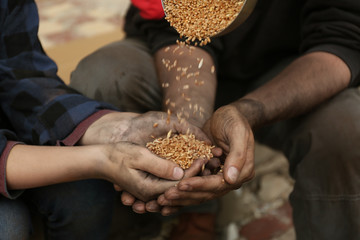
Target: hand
(152,206)
(136,128)
(139,172)
(140,129)
(229,130)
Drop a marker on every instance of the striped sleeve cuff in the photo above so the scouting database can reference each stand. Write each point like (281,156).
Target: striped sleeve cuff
(13,194)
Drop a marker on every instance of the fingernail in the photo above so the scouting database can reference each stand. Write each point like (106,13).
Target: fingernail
(152,207)
(233,174)
(178,173)
(138,209)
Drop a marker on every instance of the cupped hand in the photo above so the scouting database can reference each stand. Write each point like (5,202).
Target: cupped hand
(140,129)
(136,170)
(153,206)
(137,128)
(229,130)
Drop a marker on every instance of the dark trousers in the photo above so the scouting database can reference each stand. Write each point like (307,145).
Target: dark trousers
(74,210)
(322,146)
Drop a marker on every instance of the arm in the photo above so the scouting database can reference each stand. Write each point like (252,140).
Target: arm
(308,81)
(194,103)
(131,167)
(126,165)
(188,77)
(305,83)
(37,166)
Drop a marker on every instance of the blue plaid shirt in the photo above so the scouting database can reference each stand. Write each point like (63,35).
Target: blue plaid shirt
(36,107)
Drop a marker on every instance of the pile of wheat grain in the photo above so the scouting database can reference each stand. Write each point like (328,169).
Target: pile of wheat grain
(183,149)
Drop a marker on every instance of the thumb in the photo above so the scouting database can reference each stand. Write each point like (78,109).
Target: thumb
(160,167)
(235,160)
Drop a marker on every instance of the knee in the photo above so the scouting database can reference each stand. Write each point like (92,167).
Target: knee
(114,72)
(81,208)
(335,126)
(88,200)
(327,146)
(15,220)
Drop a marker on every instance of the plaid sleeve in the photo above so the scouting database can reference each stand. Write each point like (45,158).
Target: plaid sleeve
(41,108)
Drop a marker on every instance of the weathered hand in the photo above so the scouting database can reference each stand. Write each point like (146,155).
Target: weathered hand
(137,128)
(229,130)
(152,206)
(140,129)
(139,172)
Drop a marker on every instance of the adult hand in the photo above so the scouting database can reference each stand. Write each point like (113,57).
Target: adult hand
(140,129)
(229,130)
(137,128)
(135,169)
(152,206)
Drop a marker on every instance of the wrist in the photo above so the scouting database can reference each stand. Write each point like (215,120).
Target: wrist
(252,110)
(100,165)
(196,112)
(198,122)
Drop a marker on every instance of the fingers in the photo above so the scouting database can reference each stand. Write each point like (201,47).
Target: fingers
(159,167)
(176,197)
(152,206)
(148,187)
(195,168)
(214,163)
(206,172)
(187,199)
(217,152)
(139,207)
(247,172)
(168,210)
(203,184)
(190,199)
(127,199)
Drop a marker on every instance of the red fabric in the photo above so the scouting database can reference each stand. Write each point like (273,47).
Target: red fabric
(149,9)
(3,160)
